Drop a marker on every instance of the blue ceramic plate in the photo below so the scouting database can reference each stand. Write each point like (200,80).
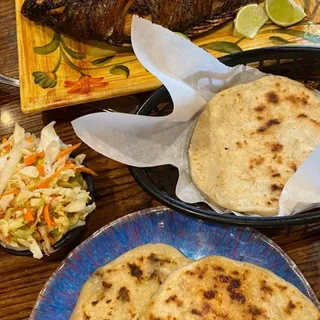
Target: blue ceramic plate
(195,238)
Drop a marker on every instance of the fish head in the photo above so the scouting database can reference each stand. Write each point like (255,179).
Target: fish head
(37,10)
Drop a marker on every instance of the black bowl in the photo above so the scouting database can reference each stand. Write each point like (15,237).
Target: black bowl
(298,63)
(70,239)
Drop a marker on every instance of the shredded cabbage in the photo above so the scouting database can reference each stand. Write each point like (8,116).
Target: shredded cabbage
(33,246)
(78,224)
(30,171)
(14,224)
(77,205)
(91,207)
(35,202)
(10,167)
(42,192)
(4,225)
(48,135)
(18,134)
(5,201)
(23,196)
(79,158)
(51,152)
(3,161)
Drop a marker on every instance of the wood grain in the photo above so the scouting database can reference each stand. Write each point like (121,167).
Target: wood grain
(117,193)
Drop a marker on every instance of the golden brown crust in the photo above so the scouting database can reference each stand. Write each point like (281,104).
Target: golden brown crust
(122,288)
(219,288)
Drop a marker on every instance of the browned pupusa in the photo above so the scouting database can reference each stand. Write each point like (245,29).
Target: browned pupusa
(218,288)
(110,20)
(251,139)
(121,289)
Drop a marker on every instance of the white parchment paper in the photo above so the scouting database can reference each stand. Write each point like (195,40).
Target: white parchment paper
(192,77)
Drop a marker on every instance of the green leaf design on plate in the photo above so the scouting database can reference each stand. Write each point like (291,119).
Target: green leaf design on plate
(279,40)
(71,64)
(120,70)
(296,33)
(72,53)
(223,46)
(45,79)
(102,61)
(50,47)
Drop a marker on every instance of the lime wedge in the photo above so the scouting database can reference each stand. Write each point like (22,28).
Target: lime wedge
(284,12)
(249,20)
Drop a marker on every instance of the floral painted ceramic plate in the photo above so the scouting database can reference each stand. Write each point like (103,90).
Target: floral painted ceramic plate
(56,71)
(60,294)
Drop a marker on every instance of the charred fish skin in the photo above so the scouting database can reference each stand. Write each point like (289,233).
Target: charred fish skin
(102,20)
(110,20)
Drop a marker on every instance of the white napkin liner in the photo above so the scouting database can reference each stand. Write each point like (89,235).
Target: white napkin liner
(192,77)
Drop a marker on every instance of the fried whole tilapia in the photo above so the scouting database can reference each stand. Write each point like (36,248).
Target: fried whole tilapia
(110,20)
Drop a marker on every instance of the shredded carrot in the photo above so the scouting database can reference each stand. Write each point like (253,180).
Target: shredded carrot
(30,139)
(13,191)
(33,158)
(87,170)
(30,160)
(40,170)
(46,215)
(28,216)
(8,147)
(45,183)
(68,150)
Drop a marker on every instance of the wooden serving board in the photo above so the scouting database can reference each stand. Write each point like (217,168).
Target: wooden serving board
(56,71)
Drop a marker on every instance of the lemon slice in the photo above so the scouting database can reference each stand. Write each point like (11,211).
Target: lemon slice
(249,20)
(284,12)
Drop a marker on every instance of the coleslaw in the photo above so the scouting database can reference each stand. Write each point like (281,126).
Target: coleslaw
(42,192)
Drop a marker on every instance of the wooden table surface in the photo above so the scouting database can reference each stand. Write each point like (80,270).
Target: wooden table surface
(117,194)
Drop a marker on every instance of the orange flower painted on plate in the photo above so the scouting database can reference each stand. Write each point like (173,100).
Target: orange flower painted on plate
(85,84)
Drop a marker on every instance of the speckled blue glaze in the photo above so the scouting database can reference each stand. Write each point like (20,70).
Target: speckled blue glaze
(195,238)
